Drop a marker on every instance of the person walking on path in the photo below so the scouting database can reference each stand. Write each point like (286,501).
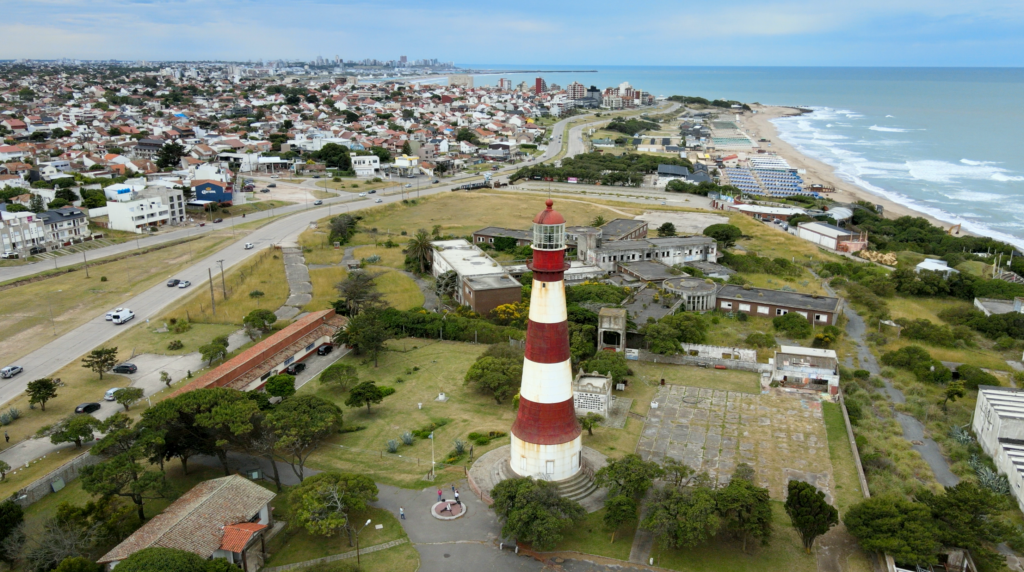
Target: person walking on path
(457,497)
(439,493)
(7,437)
(401,512)
(453,487)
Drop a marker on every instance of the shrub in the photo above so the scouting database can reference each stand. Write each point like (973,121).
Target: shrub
(407,438)
(15,413)
(181,327)
(460,446)
(1005,343)
(759,340)
(175,345)
(5,418)
(974,376)
(392,446)
(861,374)
(793,325)
(386,391)
(103,278)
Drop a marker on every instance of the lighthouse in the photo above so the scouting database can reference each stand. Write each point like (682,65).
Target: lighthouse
(546,437)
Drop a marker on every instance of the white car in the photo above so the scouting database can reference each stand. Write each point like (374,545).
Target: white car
(122,316)
(109,395)
(249,246)
(110,315)
(184,284)
(362,194)
(379,201)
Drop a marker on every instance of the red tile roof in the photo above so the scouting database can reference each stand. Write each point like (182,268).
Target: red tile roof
(236,536)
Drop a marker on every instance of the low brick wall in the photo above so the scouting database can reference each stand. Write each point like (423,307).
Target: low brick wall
(336,557)
(682,359)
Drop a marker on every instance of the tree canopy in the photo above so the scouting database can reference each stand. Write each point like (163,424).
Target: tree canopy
(811,515)
(533,511)
(498,372)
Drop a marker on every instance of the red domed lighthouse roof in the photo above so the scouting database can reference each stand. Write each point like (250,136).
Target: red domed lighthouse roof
(548,215)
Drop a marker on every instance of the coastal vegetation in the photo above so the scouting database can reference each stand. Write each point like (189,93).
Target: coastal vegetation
(603,169)
(695,101)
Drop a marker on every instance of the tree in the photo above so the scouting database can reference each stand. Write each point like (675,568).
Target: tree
(661,338)
(954,390)
(683,517)
(358,291)
(100,360)
(812,516)
(589,421)
(406,148)
(36,203)
(40,391)
(302,424)
(677,473)
(78,564)
(258,322)
(419,249)
(256,295)
(166,378)
(618,510)
(466,134)
(123,474)
(533,512)
(66,194)
(629,475)
(608,363)
(16,208)
(692,328)
(582,341)
(212,352)
(341,375)
(746,511)
(170,155)
(57,203)
(366,333)
(598,221)
(965,516)
(282,385)
(383,154)
(323,503)
(365,393)
(335,156)
(793,325)
(128,396)
(498,371)
(898,527)
(11,517)
(165,560)
(4,469)
(667,229)
(76,428)
(725,234)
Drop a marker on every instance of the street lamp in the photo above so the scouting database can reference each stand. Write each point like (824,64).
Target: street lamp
(357,540)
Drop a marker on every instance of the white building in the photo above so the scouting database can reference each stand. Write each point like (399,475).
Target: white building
(668,251)
(795,366)
(999,425)
(154,206)
(20,232)
(935,265)
(592,393)
(465,259)
(366,165)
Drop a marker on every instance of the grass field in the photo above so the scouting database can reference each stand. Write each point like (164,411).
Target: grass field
(264,273)
(399,290)
(324,291)
(144,339)
(357,185)
(442,367)
(727,380)
(724,554)
(591,537)
(844,470)
(31,315)
(295,544)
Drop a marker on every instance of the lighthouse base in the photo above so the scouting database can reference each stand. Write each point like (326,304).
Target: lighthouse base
(494,467)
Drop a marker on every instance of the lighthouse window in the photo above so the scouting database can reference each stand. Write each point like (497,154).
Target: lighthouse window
(548,236)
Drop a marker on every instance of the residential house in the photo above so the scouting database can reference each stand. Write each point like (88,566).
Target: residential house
(220,518)
(366,165)
(151,207)
(21,233)
(65,226)
(12,153)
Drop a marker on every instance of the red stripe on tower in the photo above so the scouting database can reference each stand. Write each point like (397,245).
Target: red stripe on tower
(546,423)
(545,343)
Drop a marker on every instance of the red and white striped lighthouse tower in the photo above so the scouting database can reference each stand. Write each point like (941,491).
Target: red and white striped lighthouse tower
(546,437)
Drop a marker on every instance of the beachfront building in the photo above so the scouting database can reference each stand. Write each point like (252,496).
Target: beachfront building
(936,265)
(832,237)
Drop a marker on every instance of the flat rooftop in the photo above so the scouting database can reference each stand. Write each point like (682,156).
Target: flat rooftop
(491,282)
(1006,402)
(620,227)
(644,243)
(780,298)
(465,258)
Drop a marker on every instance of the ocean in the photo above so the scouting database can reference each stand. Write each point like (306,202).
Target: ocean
(944,141)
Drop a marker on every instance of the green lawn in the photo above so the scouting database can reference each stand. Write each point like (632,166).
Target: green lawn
(723,554)
(591,537)
(728,380)
(844,469)
(295,544)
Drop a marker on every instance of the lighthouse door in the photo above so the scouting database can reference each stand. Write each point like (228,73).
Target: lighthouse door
(549,467)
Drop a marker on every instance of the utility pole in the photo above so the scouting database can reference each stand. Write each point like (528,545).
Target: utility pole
(86,264)
(223,286)
(213,302)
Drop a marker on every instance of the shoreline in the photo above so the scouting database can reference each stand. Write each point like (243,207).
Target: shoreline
(759,125)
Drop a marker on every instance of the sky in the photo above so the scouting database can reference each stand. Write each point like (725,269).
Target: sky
(541,32)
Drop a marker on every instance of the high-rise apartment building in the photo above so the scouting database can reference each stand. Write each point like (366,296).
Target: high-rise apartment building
(576,90)
(540,86)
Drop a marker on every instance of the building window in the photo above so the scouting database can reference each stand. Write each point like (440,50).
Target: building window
(310,347)
(549,467)
(804,314)
(288,361)
(820,318)
(762,309)
(727,305)
(781,312)
(744,307)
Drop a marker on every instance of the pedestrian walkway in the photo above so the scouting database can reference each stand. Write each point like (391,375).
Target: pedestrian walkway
(336,557)
(300,289)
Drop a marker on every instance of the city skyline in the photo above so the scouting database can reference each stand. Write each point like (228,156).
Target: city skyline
(899,33)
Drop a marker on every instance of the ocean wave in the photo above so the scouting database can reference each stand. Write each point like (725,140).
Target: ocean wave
(976,163)
(935,171)
(887,129)
(1005,178)
(975,196)
(888,115)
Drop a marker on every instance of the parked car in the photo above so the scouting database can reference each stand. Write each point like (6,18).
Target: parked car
(272,186)
(184,284)
(10,255)
(110,314)
(109,395)
(379,201)
(324,349)
(172,283)
(264,190)
(362,194)
(408,186)
(10,371)
(122,317)
(249,246)
(125,368)
(295,368)
(37,250)
(275,176)
(317,202)
(88,408)
(316,176)
(436,181)
(216,220)
(373,192)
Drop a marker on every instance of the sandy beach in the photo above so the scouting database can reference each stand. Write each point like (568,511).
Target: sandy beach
(758,125)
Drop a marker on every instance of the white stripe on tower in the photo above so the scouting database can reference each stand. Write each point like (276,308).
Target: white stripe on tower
(547,302)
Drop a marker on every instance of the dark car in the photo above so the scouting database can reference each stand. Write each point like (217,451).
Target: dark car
(36,250)
(373,192)
(316,176)
(173,282)
(125,368)
(218,220)
(264,190)
(295,368)
(272,186)
(87,408)
(324,349)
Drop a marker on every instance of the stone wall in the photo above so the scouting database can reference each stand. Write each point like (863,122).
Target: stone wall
(68,472)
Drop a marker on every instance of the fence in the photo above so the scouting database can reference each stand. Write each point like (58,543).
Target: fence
(44,485)
(681,359)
